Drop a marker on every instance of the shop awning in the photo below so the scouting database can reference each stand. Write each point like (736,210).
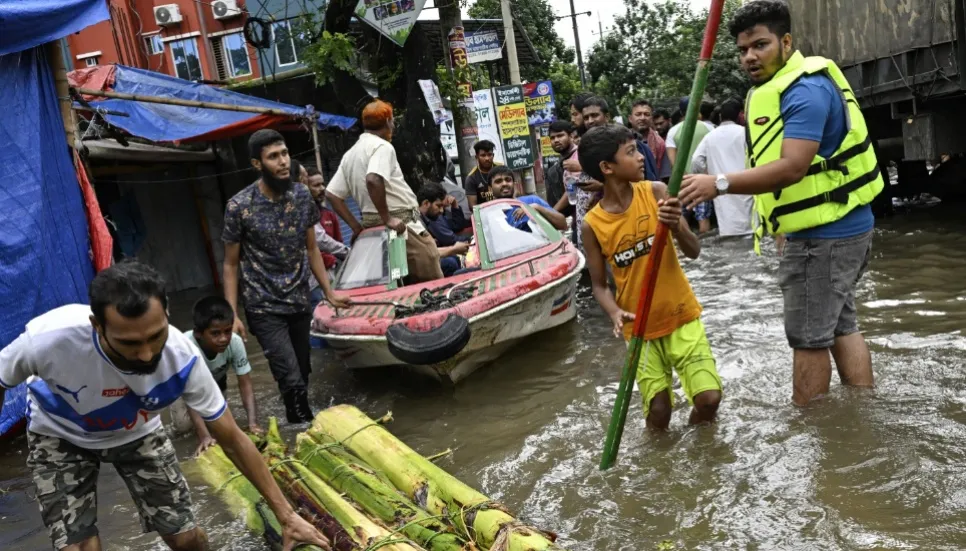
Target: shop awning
(192,120)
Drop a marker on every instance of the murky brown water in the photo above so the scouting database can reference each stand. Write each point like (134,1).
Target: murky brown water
(861,470)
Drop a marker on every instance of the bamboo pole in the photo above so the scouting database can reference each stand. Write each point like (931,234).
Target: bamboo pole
(622,403)
(374,494)
(431,488)
(182,102)
(315,144)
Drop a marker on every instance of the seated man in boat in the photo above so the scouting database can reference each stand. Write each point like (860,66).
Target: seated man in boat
(433,203)
(502,187)
(370,173)
(620,231)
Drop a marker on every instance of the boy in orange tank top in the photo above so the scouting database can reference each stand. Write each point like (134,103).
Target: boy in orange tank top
(620,231)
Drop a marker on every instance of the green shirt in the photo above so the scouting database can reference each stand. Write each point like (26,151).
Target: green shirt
(234,356)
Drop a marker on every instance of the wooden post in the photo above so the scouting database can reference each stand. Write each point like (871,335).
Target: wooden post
(183,102)
(315,143)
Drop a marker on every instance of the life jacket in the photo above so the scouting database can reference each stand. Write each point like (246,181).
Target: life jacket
(833,186)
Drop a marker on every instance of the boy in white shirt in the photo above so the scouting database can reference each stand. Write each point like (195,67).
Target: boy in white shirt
(221,349)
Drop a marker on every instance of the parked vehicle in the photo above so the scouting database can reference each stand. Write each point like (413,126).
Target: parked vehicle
(904,59)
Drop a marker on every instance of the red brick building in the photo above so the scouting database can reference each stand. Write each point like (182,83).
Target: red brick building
(190,39)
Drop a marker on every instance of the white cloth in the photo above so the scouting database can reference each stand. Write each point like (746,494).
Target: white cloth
(372,155)
(77,394)
(722,151)
(672,134)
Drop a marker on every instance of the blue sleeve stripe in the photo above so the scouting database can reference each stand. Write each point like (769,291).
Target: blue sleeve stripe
(221,411)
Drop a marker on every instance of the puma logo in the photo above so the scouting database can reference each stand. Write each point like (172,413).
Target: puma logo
(72,393)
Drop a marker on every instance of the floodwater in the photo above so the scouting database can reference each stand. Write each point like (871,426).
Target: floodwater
(882,469)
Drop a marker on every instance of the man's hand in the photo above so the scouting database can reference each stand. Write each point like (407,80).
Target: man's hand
(450,201)
(239,328)
(780,241)
(396,225)
(618,318)
(572,165)
(255,429)
(518,214)
(669,212)
(461,247)
(591,186)
(296,530)
(205,443)
(696,189)
(338,300)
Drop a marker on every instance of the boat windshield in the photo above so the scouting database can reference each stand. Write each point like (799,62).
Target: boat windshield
(367,264)
(505,237)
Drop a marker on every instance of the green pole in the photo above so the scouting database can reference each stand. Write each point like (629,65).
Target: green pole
(619,415)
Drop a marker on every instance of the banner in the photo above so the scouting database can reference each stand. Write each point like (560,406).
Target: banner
(541,104)
(433,101)
(486,124)
(546,148)
(514,127)
(483,46)
(447,135)
(393,18)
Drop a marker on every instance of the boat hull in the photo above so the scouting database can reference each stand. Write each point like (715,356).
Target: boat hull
(492,333)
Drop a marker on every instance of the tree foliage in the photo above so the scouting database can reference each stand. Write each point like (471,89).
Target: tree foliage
(653,50)
(557,59)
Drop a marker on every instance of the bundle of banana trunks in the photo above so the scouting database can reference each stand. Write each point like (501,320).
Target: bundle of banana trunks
(366,490)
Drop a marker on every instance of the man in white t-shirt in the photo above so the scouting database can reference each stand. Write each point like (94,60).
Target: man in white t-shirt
(97,377)
(723,152)
(370,174)
(702,212)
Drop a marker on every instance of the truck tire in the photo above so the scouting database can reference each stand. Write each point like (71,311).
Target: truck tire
(429,347)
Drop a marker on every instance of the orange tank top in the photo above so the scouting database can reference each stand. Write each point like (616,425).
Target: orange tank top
(626,240)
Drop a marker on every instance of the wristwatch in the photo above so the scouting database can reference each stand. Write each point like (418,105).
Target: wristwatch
(722,184)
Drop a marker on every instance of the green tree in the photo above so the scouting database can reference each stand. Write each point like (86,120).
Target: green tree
(653,50)
(537,19)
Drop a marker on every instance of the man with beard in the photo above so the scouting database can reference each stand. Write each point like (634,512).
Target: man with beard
(662,124)
(501,186)
(269,231)
(433,203)
(98,376)
(370,173)
(642,123)
(814,174)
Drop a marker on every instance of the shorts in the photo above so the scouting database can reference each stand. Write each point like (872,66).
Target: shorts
(66,479)
(686,350)
(703,211)
(818,279)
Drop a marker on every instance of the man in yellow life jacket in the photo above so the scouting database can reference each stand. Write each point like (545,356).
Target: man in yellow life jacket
(814,174)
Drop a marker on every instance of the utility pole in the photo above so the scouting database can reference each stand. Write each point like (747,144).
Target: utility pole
(580,55)
(464,118)
(511,42)
(600,26)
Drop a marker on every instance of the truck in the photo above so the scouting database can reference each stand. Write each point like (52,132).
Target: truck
(905,60)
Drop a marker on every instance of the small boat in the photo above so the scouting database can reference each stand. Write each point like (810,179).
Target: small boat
(522,279)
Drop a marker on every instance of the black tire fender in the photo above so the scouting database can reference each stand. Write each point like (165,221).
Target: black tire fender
(429,347)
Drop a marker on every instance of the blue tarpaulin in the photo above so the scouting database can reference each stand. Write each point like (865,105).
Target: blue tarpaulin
(28,23)
(44,248)
(174,123)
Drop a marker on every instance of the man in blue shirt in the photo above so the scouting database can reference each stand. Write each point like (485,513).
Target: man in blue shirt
(433,203)
(821,265)
(502,187)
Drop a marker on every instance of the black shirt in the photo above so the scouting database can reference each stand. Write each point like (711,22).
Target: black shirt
(478,185)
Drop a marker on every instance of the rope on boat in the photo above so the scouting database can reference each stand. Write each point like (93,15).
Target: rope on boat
(430,301)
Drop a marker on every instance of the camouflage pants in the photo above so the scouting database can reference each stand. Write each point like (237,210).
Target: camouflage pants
(66,479)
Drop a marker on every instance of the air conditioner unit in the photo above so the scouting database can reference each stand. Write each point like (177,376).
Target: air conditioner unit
(225,9)
(168,14)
